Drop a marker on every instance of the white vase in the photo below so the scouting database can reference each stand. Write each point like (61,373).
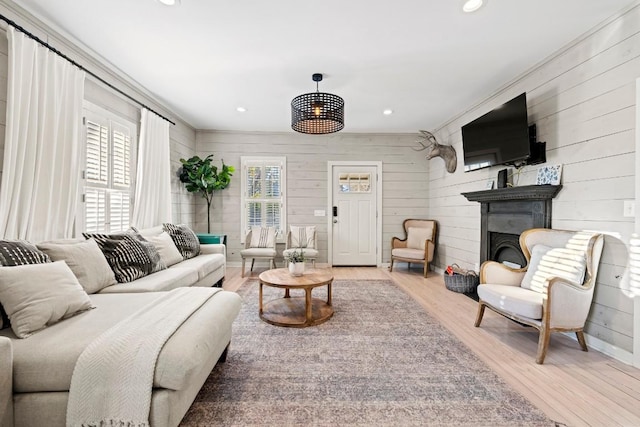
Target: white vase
(296,268)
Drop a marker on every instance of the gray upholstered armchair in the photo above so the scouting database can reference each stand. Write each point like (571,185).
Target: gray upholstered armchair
(418,245)
(553,292)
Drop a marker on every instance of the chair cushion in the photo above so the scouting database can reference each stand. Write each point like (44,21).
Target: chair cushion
(513,299)
(85,259)
(258,253)
(302,237)
(308,252)
(417,236)
(547,262)
(417,254)
(263,237)
(38,295)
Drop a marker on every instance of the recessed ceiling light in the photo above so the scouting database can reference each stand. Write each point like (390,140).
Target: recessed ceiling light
(169,2)
(241,109)
(472,5)
(387,112)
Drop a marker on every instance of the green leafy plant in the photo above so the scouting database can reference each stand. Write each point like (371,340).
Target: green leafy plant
(295,256)
(201,176)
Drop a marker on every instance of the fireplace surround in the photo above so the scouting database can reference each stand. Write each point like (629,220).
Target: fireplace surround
(506,213)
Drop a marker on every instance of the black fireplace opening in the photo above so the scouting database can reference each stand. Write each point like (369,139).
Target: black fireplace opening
(506,247)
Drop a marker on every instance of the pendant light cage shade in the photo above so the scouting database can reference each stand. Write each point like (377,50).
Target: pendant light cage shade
(317,112)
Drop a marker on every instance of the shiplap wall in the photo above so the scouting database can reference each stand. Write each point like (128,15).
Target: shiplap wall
(182,135)
(404,191)
(583,102)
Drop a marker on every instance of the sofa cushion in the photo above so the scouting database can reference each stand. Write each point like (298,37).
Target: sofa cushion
(168,251)
(417,236)
(184,238)
(18,252)
(547,262)
(164,280)
(417,254)
(39,295)
(129,255)
(513,299)
(263,237)
(85,259)
(43,364)
(203,264)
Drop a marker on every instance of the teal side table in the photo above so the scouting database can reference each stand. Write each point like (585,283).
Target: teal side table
(206,238)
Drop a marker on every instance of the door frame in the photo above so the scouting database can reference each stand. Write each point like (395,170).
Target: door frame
(636,298)
(330,186)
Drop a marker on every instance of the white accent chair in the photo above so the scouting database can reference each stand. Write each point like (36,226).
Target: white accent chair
(418,246)
(260,243)
(553,293)
(302,239)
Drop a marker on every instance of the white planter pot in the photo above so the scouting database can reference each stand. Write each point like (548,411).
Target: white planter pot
(296,268)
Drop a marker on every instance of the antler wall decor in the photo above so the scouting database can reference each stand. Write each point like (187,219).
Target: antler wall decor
(446,152)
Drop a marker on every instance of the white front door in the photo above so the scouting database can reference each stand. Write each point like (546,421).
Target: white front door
(354,214)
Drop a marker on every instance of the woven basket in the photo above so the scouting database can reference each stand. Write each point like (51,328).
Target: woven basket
(464,281)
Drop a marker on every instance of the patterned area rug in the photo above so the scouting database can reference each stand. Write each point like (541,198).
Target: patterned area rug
(381,360)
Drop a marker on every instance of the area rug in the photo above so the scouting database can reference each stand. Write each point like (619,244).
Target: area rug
(380,361)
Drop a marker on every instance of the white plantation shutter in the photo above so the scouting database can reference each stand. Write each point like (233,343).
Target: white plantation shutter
(263,183)
(108,170)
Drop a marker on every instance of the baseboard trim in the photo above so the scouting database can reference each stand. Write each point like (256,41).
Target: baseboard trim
(605,348)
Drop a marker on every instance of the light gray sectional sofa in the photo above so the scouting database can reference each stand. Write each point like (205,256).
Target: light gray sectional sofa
(36,372)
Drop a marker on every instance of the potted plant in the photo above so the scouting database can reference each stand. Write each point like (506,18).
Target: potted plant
(296,262)
(200,176)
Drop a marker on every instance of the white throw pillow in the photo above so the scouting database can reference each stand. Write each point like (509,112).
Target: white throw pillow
(302,237)
(168,250)
(85,259)
(263,237)
(417,236)
(38,295)
(548,262)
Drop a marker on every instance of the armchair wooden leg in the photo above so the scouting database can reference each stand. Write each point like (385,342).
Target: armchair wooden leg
(391,266)
(480,313)
(242,271)
(313,262)
(253,260)
(426,268)
(543,343)
(583,343)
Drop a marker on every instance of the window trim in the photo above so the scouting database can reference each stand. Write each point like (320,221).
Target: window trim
(246,161)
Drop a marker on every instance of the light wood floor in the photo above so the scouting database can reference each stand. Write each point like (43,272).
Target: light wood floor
(573,387)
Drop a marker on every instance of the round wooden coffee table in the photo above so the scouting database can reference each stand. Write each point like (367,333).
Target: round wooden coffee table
(296,312)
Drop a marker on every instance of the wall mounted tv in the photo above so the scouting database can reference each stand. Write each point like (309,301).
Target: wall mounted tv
(502,136)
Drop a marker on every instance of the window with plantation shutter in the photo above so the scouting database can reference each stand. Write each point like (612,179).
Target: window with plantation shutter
(263,182)
(108,172)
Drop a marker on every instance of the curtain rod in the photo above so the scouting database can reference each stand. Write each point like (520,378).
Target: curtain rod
(92,74)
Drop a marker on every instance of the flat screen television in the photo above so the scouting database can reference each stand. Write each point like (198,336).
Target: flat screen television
(502,136)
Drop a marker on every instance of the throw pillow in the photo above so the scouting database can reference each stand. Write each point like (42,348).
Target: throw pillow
(417,236)
(263,237)
(129,255)
(168,251)
(184,238)
(302,237)
(548,262)
(38,295)
(86,261)
(18,252)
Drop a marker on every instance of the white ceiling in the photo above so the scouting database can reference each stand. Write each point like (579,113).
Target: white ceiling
(424,59)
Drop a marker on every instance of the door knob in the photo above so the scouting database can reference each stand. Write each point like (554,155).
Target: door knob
(335,221)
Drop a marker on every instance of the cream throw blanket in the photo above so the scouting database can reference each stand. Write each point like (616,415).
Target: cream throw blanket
(113,377)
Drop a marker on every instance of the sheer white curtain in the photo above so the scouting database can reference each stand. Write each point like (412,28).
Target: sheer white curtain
(39,189)
(152,201)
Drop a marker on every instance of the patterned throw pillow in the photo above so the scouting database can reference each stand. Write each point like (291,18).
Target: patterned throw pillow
(129,255)
(18,252)
(263,237)
(302,237)
(184,238)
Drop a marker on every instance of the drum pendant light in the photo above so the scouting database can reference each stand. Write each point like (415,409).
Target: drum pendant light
(317,112)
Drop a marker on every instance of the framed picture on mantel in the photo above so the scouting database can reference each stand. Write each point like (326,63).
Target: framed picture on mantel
(549,175)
